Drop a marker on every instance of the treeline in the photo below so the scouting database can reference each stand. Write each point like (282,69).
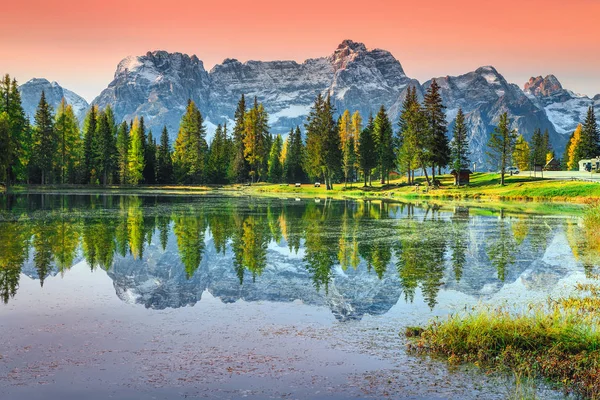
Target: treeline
(54,150)
(329,233)
(341,149)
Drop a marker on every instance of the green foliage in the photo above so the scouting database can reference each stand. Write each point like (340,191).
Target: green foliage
(44,139)
(292,168)
(219,156)
(438,144)
(122,153)
(367,156)
(135,154)
(189,157)
(589,146)
(256,140)
(501,145)
(164,162)
(275,168)
(70,146)
(460,143)
(383,136)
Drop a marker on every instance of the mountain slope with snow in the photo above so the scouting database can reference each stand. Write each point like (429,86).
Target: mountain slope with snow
(31,92)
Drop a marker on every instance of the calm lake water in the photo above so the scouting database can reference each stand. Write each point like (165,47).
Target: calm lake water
(211,297)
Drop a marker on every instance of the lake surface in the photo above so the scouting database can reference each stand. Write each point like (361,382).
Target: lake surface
(212,297)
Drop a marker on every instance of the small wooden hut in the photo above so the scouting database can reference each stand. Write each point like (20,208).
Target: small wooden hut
(461,177)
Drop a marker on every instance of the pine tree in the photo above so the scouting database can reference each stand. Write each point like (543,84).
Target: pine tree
(17,148)
(589,147)
(122,152)
(239,165)
(349,160)
(294,156)
(501,145)
(150,159)
(415,134)
(256,139)
(405,157)
(356,125)
(69,142)
(104,148)
(135,154)
(439,148)
(217,163)
(189,157)
(460,144)
(521,154)
(384,146)
(367,156)
(4,144)
(275,168)
(164,170)
(89,134)
(44,140)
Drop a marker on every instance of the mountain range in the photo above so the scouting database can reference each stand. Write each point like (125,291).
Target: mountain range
(157,86)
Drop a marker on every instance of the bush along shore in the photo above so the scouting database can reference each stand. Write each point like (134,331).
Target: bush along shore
(558,341)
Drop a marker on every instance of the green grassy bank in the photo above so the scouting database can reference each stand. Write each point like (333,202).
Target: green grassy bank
(558,341)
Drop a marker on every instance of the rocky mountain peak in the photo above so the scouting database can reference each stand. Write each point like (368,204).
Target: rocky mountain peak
(345,53)
(32,90)
(543,87)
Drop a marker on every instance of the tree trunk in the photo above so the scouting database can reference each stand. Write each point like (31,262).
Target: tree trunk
(432,173)
(425,171)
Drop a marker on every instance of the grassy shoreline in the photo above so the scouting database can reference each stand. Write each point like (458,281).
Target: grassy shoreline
(558,341)
(483,187)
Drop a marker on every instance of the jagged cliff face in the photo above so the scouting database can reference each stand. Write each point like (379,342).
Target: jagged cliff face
(484,95)
(32,90)
(156,86)
(563,108)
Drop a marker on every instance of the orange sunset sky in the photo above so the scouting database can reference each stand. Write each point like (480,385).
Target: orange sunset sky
(79,43)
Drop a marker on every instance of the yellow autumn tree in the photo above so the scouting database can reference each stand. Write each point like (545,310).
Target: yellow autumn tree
(521,153)
(572,153)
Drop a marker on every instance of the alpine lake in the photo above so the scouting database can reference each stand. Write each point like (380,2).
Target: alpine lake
(169,297)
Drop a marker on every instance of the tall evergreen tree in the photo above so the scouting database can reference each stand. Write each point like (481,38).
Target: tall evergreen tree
(384,147)
(460,144)
(69,143)
(164,163)
(17,148)
(367,156)
(406,155)
(294,156)
(189,157)
(44,139)
(438,145)
(239,165)
(104,160)
(218,161)
(89,134)
(275,168)
(150,159)
(501,145)
(4,144)
(416,134)
(256,139)
(589,146)
(122,152)
(135,153)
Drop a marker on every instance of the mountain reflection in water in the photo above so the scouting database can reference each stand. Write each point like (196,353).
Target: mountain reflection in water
(355,257)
